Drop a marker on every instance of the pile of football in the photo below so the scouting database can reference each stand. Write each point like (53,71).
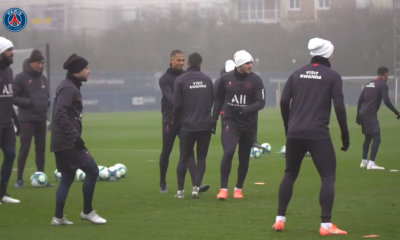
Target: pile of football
(256,152)
(112,174)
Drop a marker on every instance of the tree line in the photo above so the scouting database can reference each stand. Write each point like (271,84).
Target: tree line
(363,40)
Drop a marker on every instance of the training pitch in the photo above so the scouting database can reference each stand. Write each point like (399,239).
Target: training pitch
(366,203)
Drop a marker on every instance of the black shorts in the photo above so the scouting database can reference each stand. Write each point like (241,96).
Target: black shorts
(7,136)
(69,160)
(369,123)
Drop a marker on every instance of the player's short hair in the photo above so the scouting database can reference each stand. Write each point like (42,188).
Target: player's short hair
(382,71)
(195,60)
(175,52)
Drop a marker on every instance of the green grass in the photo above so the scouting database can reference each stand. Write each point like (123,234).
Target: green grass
(367,202)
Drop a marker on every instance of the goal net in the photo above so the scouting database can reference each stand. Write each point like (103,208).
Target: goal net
(20,55)
(352,87)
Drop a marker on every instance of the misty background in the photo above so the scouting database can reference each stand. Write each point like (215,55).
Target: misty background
(128,42)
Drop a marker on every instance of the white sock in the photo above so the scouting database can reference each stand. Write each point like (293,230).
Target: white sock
(224,189)
(326,225)
(280,218)
(364,161)
(371,163)
(238,189)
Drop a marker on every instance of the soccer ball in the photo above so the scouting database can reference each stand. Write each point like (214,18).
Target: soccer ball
(39,179)
(115,174)
(57,174)
(283,151)
(104,173)
(122,169)
(80,175)
(308,154)
(255,153)
(267,148)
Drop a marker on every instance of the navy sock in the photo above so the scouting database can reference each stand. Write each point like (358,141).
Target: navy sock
(92,173)
(6,169)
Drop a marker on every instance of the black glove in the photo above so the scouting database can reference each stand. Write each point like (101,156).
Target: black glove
(358,120)
(18,128)
(177,126)
(213,127)
(235,109)
(345,141)
(398,116)
(79,143)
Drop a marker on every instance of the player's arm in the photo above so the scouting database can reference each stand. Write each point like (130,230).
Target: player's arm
(338,103)
(285,101)
(215,87)
(212,93)
(64,101)
(360,100)
(340,109)
(386,99)
(177,100)
(259,98)
(166,90)
(359,104)
(219,100)
(16,122)
(18,88)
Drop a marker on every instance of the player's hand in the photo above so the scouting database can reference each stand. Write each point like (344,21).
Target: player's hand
(177,126)
(358,120)
(235,109)
(79,143)
(398,116)
(17,128)
(213,127)
(345,141)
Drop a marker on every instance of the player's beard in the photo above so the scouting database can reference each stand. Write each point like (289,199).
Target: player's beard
(5,61)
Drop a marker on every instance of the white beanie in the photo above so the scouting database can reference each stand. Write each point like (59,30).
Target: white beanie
(5,44)
(320,47)
(242,57)
(229,65)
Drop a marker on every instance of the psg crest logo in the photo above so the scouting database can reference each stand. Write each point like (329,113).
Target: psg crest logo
(14,20)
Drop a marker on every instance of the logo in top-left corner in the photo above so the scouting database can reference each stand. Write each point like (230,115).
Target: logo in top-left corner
(15,19)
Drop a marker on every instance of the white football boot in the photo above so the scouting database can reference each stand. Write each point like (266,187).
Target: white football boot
(372,166)
(8,199)
(60,221)
(196,192)
(364,163)
(93,217)
(180,194)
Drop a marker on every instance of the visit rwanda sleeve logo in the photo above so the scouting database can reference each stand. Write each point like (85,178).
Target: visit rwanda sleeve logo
(15,20)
